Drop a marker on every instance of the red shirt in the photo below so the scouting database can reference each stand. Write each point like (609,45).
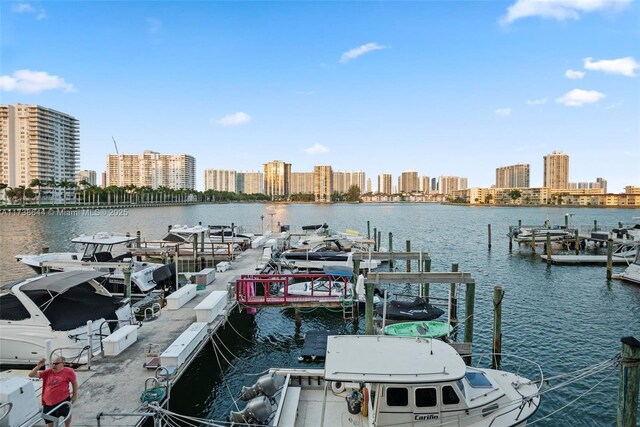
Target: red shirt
(55,385)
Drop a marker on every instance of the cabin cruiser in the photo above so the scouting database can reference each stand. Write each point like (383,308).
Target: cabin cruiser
(380,380)
(188,234)
(632,272)
(50,313)
(145,276)
(330,251)
(526,234)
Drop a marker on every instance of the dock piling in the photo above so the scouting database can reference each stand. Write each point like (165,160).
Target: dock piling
(470,295)
(408,261)
(548,248)
(454,298)
(379,239)
(629,383)
(489,235)
(368,230)
(609,259)
(577,242)
(510,238)
(426,267)
(138,239)
(356,274)
(127,280)
(375,239)
(498,295)
(533,241)
(390,251)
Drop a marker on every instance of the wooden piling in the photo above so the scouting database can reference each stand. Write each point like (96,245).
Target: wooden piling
(426,267)
(369,289)
(519,223)
(408,261)
(577,242)
(195,250)
(498,295)
(489,235)
(470,295)
(375,239)
(566,221)
(379,239)
(453,316)
(127,280)
(548,247)
(533,241)
(368,230)
(138,239)
(629,383)
(356,273)
(609,259)
(510,238)
(390,251)
(595,225)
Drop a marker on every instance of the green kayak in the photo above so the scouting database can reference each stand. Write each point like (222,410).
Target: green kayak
(423,329)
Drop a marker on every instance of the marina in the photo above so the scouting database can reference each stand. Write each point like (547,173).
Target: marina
(203,369)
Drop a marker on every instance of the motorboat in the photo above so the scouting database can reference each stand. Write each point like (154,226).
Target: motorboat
(621,254)
(414,310)
(99,248)
(422,329)
(213,242)
(51,313)
(330,251)
(632,272)
(526,234)
(327,287)
(379,380)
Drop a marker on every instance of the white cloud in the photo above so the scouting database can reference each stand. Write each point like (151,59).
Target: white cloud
(540,101)
(559,10)
(234,119)
(626,66)
(28,8)
(316,149)
(27,81)
(154,25)
(571,74)
(354,53)
(503,112)
(579,97)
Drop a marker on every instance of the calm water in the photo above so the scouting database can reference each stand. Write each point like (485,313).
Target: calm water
(563,317)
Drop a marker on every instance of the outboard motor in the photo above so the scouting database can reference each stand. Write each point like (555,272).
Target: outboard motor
(267,385)
(257,411)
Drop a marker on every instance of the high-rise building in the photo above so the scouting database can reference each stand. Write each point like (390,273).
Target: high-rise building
(449,184)
(250,182)
(103,179)
(514,176)
(277,178)
(384,184)
(38,143)
(86,175)
(602,183)
(301,182)
(434,185)
(409,182)
(322,183)
(342,181)
(151,169)
(220,180)
(556,170)
(368,185)
(425,185)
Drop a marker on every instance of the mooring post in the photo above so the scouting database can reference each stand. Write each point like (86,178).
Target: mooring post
(408,259)
(595,225)
(390,251)
(426,266)
(356,273)
(629,383)
(127,279)
(454,298)
(379,239)
(498,295)
(577,242)
(138,239)
(519,223)
(489,235)
(533,240)
(566,221)
(128,243)
(548,247)
(375,239)
(510,238)
(369,289)
(609,259)
(195,250)
(470,296)
(368,230)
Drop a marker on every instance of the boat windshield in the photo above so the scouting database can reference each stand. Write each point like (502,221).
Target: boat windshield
(460,384)
(478,379)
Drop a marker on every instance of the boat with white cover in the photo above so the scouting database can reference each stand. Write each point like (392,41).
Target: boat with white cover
(56,308)
(622,254)
(632,272)
(329,252)
(383,380)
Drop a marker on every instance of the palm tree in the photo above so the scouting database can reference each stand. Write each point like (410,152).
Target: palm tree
(3,188)
(51,183)
(65,185)
(37,183)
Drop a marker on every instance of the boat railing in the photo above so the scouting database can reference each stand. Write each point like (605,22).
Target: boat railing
(5,408)
(55,420)
(517,364)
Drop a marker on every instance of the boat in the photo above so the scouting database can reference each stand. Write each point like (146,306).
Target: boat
(383,380)
(422,329)
(329,251)
(327,287)
(415,310)
(632,272)
(525,234)
(214,239)
(622,254)
(98,248)
(50,312)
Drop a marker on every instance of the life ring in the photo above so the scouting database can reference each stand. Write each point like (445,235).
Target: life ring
(365,401)
(337,387)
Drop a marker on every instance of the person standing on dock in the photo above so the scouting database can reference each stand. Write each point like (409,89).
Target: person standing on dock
(55,387)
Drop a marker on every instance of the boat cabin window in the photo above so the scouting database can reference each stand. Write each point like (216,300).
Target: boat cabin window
(478,380)
(12,309)
(449,396)
(397,396)
(426,397)
(460,384)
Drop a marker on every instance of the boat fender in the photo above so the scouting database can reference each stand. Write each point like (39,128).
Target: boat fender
(337,387)
(365,401)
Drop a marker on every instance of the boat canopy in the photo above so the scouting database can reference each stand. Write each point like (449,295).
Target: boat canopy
(61,282)
(388,359)
(104,239)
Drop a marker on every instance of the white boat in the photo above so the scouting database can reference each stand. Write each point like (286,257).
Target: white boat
(326,287)
(622,254)
(187,234)
(50,313)
(332,252)
(99,248)
(383,380)
(539,234)
(632,272)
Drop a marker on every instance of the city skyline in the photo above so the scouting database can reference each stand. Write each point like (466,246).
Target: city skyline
(442,88)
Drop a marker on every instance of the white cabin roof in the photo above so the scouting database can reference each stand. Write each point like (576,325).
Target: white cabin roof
(104,239)
(388,359)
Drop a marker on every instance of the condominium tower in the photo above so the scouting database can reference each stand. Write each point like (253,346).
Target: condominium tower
(250,182)
(220,180)
(384,184)
(342,181)
(449,184)
(322,183)
(514,176)
(37,143)
(86,175)
(301,182)
(151,169)
(409,182)
(277,178)
(556,170)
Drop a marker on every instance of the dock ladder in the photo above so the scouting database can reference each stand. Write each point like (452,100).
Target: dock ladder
(347,308)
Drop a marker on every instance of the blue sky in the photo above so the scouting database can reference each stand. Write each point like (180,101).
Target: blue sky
(444,88)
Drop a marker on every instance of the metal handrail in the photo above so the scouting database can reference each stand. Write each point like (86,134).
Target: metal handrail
(10,405)
(118,321)
(47,416)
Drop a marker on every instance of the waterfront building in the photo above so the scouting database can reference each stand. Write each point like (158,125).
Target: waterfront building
(368,185)
(556,170)
(38,143)
(103,179)
(384,184)
(425,185)
(342,181)
(250,182)
(277,178)
(448,184)
(408,182)
(220,180)
(598,183)
(86,175)
(322,183)
(301,182)
(152,169)
(434,185)
(514,176)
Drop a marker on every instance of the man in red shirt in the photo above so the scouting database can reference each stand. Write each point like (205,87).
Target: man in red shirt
(55,387)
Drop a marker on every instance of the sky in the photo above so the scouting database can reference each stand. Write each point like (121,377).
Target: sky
(440,87)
